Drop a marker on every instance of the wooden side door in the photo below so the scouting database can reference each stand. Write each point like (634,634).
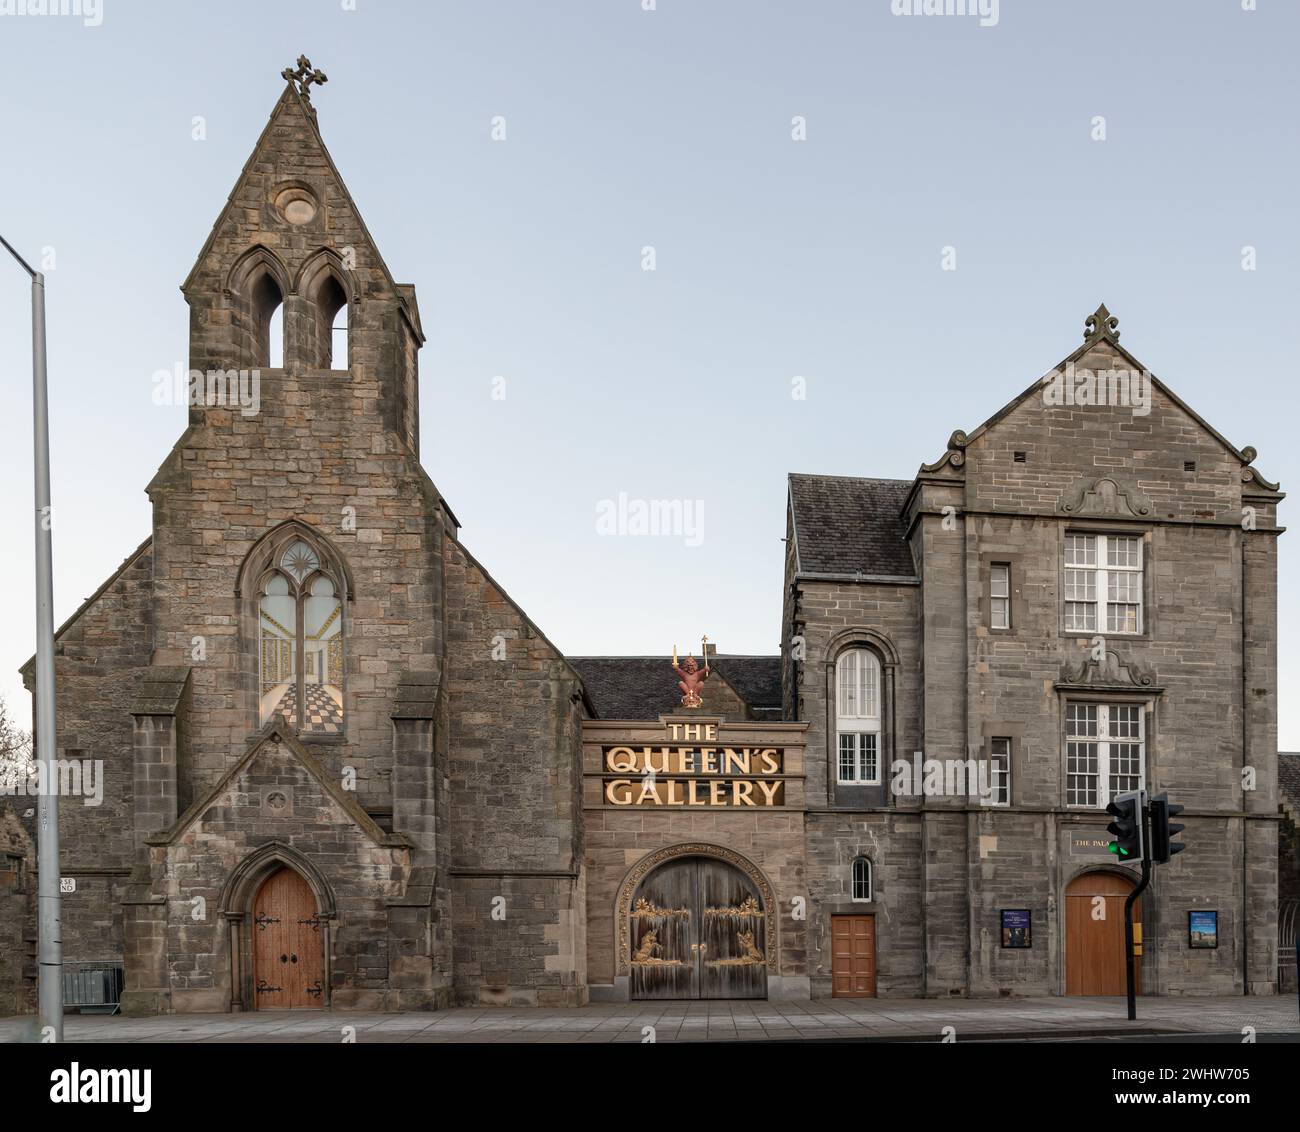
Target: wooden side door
(853,956)
(288,958)
(732,934)
(665,958)
(1094,935)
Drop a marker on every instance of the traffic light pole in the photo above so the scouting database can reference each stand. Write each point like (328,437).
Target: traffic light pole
(1133,896)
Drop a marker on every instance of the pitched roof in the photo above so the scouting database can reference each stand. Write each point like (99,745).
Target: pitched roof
(28,670)
(1102,328)
(641,687)
(291,101)
(277,731)
(1288,781)
(848,525)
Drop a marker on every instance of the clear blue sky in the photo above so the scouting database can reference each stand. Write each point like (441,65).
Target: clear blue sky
(775,259)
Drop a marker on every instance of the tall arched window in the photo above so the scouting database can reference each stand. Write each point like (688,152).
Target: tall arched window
(862,879)
(300,640)
(857,717)
(268,321)
(332,319)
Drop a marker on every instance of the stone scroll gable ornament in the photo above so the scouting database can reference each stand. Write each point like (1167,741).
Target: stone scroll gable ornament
(303,77)
(1101,324)
(692,675)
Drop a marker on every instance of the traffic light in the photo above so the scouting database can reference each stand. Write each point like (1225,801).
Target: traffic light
(1127,826)
(1163,845)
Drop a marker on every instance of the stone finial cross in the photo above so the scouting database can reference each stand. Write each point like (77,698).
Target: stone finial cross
(1102,324)
(304,76)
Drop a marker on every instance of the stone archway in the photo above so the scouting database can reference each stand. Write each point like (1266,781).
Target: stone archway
(248,884)
(652,861)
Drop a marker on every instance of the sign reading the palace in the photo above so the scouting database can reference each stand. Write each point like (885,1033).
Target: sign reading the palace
(692,769)
(1090,844)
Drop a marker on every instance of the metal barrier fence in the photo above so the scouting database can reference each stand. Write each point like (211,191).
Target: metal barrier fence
(92,988)
(1288,924)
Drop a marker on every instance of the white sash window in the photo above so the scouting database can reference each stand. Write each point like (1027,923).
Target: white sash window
(857,717)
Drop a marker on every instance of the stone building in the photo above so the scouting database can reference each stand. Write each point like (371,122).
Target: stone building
(341,768)
(1078,597)
(340,764)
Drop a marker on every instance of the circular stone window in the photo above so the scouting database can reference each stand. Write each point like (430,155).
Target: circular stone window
(296,205)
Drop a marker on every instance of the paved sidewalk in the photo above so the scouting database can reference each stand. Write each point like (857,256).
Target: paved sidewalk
(915,1019)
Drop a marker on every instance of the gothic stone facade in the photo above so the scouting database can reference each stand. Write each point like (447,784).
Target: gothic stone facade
(303,673)
(420,769)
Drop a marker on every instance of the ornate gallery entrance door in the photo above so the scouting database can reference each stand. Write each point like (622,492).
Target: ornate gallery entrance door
(698,931)
(287,954)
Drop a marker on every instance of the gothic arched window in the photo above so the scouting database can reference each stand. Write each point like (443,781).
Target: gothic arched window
(332,303)
(268,322)
(300,639)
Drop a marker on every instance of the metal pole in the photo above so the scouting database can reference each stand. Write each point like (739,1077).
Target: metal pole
(47,860)
(50,932)
(1128,910)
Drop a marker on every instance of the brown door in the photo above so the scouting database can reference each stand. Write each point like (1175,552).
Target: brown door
(1094,935)
(698,931)
(287,953)
(853,956)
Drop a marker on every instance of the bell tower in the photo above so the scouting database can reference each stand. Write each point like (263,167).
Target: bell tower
(290,284)
(316,460)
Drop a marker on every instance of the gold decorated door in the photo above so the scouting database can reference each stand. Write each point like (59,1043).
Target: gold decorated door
(698,930)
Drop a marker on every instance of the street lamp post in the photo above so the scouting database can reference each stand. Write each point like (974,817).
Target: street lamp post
(50,935)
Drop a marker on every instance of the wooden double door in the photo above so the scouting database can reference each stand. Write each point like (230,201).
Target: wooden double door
(698,930)
(288,954)
(1094,935)
(853,956)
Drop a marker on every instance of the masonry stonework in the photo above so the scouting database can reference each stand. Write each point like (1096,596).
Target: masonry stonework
(342,769)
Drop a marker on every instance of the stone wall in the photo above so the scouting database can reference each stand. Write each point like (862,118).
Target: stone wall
(17,907)
(518,898)
(101,654)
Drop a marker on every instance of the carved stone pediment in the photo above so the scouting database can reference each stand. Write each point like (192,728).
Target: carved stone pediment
(1111,672)
(1104,495)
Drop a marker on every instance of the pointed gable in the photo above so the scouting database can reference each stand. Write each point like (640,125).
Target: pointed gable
(275,763)
(1101,433)
(289,176)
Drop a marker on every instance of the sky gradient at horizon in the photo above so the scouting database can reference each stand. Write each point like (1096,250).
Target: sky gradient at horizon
(775,259)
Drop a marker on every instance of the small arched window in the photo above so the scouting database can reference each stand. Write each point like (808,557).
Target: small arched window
(268,322)
(300,639)
(862,879)
(857,717)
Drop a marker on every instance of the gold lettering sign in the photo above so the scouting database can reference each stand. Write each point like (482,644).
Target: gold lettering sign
(706,773)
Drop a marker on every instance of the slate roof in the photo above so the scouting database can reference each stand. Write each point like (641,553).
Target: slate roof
(1288,778)
(847,525)
(643,687)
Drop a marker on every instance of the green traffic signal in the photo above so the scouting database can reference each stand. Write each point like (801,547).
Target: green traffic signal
(1126,809)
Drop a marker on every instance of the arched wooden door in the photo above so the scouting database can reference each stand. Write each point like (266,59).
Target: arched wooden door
(698,931)
(288,958)
(1094,935)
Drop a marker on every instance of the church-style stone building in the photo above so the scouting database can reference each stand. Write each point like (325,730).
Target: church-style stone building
(342,764)
(343,769)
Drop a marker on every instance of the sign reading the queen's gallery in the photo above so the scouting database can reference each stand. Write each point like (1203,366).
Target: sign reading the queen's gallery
(693,768)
